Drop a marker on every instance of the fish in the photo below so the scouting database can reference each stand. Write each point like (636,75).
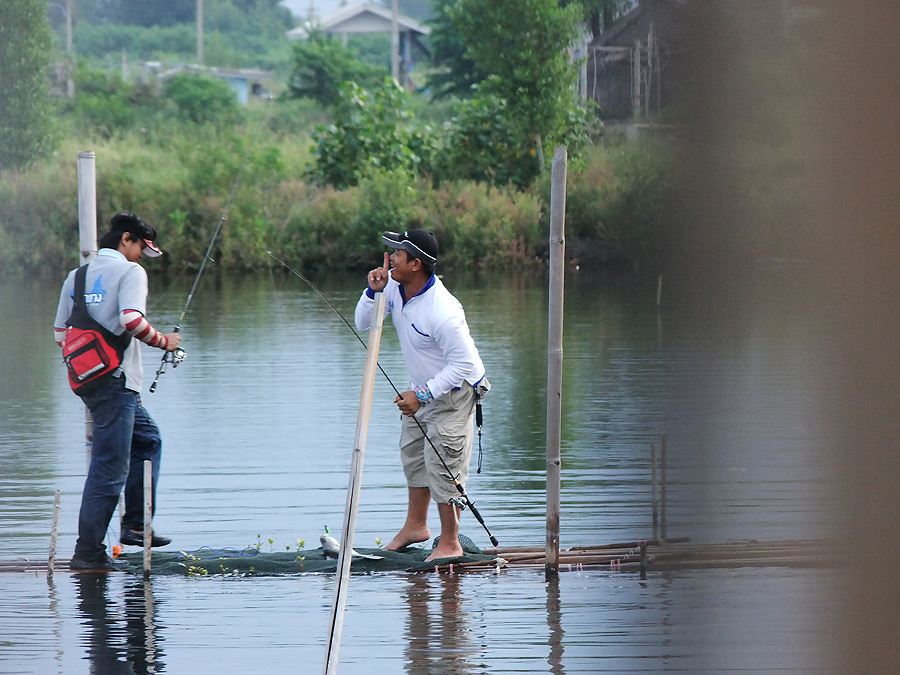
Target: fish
(332,548)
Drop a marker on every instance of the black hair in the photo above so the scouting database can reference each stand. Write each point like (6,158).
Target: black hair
(112,238)
(123,223)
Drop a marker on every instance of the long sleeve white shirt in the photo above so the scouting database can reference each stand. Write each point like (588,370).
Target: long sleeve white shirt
(434,337)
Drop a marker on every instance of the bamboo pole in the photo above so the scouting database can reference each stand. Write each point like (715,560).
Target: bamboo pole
(54,534)
(636,80)
(356,466)
(148,514)
(87,206)
(555,355)
(87,240)
(653,479)
(663,459)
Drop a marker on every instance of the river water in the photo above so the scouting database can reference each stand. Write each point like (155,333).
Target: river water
(258,427)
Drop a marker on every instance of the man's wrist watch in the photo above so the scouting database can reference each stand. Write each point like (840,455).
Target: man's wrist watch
(423,394)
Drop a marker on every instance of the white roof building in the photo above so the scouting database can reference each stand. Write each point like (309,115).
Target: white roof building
(365,17)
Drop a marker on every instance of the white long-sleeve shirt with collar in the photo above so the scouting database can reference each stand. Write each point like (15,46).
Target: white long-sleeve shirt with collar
(434,337)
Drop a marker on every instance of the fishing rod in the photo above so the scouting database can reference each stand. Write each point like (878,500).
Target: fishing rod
(178,355)
(464,499)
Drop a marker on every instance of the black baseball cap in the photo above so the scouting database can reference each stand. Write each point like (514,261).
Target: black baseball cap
(129,222)
(420,244)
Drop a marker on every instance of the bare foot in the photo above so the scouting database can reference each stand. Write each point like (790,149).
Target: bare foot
(449,551)
(407,536)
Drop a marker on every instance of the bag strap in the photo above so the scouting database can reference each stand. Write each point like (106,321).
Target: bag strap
(81,318)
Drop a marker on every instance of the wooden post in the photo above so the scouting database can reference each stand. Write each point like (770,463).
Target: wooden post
(148,513)
(555,356)
(345,556)
(653,481)
(663,451)
(87,206)
(54,533)
(643,563)
(636,80)
(87,239)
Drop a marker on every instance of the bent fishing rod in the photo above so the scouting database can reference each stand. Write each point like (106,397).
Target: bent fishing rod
(464,499)
(178,355)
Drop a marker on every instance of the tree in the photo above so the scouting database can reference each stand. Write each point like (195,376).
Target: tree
(322,65)
(524,43)
(455,73)
(26,109)
(599,14)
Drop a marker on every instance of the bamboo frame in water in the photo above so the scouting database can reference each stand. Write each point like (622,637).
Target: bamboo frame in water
(555,356)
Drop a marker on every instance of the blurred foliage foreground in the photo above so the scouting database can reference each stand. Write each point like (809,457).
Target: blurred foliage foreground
(180,182)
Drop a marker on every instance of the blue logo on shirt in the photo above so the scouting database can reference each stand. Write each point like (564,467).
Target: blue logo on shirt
(95,297)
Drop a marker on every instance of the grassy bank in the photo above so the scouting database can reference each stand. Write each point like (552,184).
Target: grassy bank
(180,182)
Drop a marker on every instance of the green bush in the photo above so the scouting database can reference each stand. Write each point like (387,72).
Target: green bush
(203,100)
(614,200)
(372,132)
(180,182)
(478,225)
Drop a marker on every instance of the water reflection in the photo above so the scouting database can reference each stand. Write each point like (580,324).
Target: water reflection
(556,636)
(117,638)
(438,636)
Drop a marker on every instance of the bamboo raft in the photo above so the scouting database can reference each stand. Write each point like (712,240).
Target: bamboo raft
(635,556)
(664,555)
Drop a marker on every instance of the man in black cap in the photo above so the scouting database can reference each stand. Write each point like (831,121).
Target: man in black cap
(115,296)
(444,370)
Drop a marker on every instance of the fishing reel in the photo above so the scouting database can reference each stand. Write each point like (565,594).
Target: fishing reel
(176,357)
(458,503)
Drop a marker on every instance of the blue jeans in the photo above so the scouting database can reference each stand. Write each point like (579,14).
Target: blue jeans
(124,436)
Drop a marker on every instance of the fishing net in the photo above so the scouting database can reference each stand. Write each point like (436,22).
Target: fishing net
(252,561)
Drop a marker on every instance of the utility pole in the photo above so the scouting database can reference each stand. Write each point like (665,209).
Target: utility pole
(395,42)
(200,32)
(70,50)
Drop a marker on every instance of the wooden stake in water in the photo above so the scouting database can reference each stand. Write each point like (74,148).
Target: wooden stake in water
(663,486)
(87,240)
(356,466)
(653,481)
(555,355)
(148,513)
(54,533)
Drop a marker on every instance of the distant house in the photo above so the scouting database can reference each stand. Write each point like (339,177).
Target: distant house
(635,66)
(641,62)
(365,17)
(245,82)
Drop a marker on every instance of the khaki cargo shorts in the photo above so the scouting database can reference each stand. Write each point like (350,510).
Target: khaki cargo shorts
(449,422)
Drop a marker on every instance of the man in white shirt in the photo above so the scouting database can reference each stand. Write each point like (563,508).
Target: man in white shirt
(444,370)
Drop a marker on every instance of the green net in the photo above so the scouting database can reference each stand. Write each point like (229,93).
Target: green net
(252,561)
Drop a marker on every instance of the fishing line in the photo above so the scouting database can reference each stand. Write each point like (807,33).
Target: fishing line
(464,498)
(178,355)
